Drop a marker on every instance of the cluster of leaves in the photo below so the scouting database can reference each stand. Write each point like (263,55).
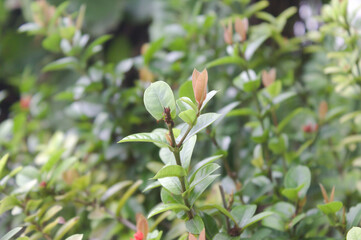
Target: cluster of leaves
(279,135)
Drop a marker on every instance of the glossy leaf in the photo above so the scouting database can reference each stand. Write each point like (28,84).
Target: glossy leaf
(203,121)
(195,225)
(153,137)
(170,171)
(165,207)
(11,233)
(157,97)
(61,64)
(188,116)
(243,214)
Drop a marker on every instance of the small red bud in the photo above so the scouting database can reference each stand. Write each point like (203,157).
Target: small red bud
(43,184)
(25,102)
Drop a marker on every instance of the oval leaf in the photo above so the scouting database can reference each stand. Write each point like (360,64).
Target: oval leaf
(157,97)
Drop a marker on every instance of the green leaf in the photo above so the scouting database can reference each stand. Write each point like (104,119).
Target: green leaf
(184,103)
(353,216)
(66,228)
(3,161)
(243,214)
(152,185)
(170,171)
(115,189)
(195,225)
(152,49)
(187,151)
(186,90)
(168,197)
(61,64)
(258,6)
(330,208)
(209,96)
(53,159)
(210,225)
(172,184)
(50,213)
(153,137)
(247,81)
(354,234)
(157,97)
(274,89)
(289,117)
(257,218)
(201,186)
(188,116)
(202,172)
(165,207)
(253,46)
(227,60)
(50,226)
(11,233)
(277,144)
(52,43)
(94,46)
(203,121)
(219,208)
(203,163)
(283,97)
(242,112)
(75,237)
(127,195)
(8,203)
(292,193)
(297,176)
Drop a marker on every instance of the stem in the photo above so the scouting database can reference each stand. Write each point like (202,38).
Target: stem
(263,145)
(225,206)
(176,150)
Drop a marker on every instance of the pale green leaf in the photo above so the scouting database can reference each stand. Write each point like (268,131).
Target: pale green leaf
(11,233)
(158,96)
(170,171)
(165,207)
(66,228)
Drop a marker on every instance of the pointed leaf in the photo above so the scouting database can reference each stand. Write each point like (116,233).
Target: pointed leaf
(203,121)
(188,116)
(227,60)
(197,191)
(330,208)
(165,207)
(11,233)
(127,195)
(172,184)
(243,214)
(154,137)
(170,171)
(3,161)
(257,218)
(195,225)
(66,228)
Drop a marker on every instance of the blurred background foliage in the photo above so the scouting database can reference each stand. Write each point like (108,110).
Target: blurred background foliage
(70,88)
